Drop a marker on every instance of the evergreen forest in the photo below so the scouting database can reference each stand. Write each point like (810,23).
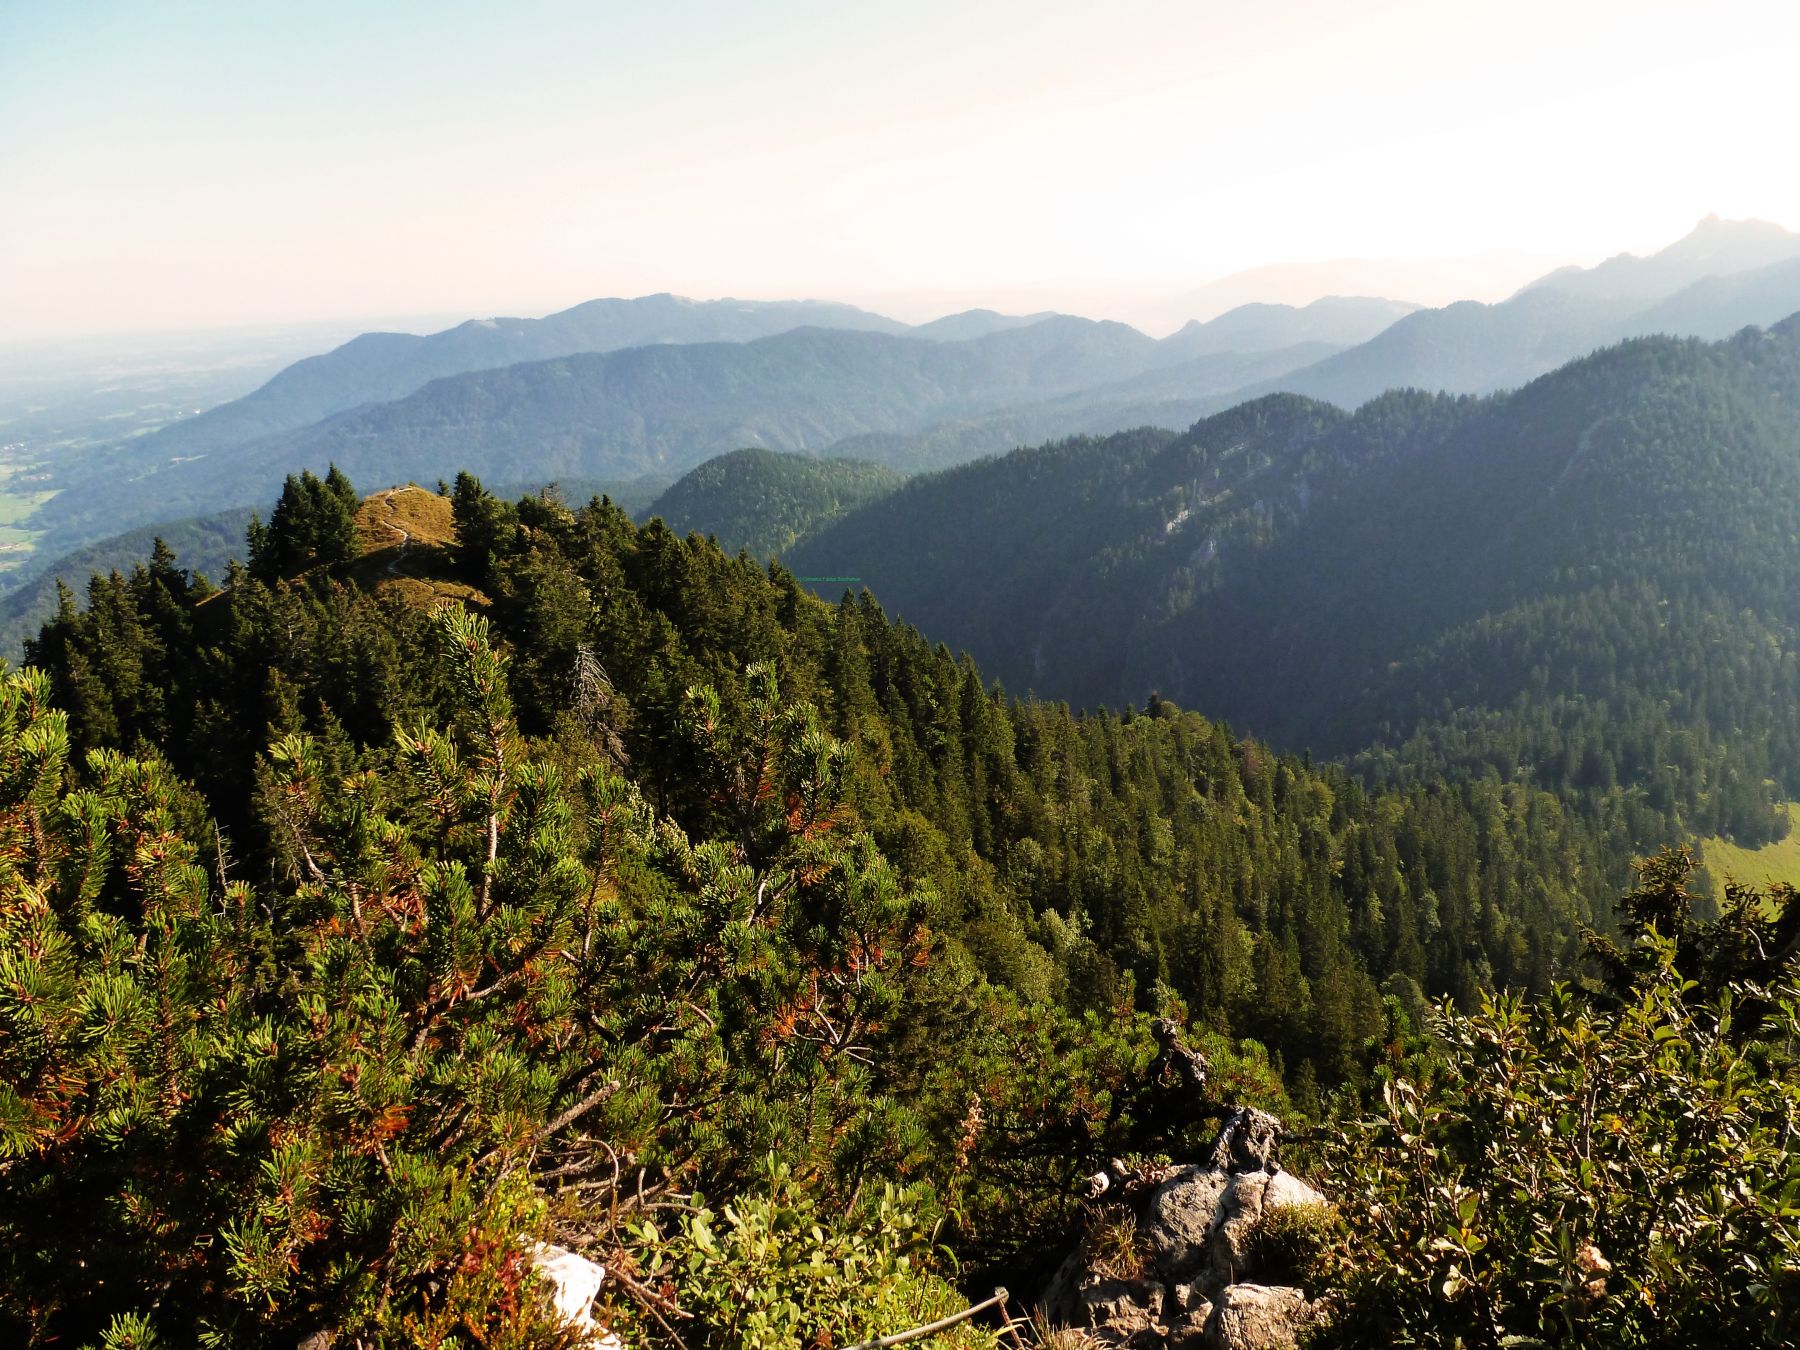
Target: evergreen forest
(466,872)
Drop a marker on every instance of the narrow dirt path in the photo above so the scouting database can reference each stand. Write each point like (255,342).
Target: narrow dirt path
(387,502)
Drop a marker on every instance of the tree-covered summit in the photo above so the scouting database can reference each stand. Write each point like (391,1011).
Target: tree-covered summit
(764,500)
(1588,583)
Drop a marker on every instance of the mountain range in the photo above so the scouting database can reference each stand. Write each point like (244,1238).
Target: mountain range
(379,367)
(1466,347)
(1721,277)
(1715,247)
(666,407)
(537,400)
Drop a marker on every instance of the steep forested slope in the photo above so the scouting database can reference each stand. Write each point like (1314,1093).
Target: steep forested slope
(1591,580)
(1168,396)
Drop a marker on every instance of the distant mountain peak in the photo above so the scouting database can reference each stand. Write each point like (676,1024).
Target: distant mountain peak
(1714,233)
(975,323)
(1341,320)
(1715,247)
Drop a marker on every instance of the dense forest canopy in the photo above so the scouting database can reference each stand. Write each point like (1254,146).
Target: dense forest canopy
(1138,838)
(1588,584)
(763,500)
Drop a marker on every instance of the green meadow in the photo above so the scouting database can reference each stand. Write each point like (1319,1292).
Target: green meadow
(1779,861)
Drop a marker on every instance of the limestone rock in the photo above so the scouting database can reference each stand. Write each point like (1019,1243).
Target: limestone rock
(1259,1317)
(1124,1312)
(1112,1311)
(1187,1331)
(1287,1191)
(1240,1208)
(574,1282)
(1189,1297)
(1195,1226)
(1198,1223)
(1180,1218)
(1246,1199)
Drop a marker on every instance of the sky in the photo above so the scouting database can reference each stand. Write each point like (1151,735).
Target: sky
(180,165)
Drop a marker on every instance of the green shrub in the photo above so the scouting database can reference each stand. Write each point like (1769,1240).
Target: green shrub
(1292,1244)
(775,1270)
(1581,1174)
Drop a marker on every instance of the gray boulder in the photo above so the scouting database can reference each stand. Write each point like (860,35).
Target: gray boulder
(1196,1225)
(1259,1317)
(1180,1218)
(1197,1291)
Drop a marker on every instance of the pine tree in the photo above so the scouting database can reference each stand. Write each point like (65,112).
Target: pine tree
(313,524)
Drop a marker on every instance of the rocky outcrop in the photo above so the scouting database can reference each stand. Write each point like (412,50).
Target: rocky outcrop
(1258,1317)
(1170,1259)
(1189,1262)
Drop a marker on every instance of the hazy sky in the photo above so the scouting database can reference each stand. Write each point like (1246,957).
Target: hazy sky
(178,164)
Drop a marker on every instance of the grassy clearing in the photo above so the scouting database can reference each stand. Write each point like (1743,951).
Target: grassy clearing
(405,535)
(1779,861)
(16,507)
(410,513)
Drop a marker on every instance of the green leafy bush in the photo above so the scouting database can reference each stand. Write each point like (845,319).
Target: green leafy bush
(773,1270)
(1585,1175)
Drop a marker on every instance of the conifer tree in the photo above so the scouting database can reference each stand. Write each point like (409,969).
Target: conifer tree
(313,524)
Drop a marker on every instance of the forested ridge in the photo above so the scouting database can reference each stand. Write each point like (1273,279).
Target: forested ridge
(1587,584)
(1074,850)
(763,500)
(463,871)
